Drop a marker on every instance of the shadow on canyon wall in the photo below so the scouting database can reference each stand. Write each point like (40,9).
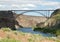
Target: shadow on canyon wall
(7,19)
(53,21)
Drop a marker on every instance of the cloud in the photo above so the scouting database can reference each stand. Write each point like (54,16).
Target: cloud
(23,5)
(40,2)
(15,5)
(28,5)
(0,5)
(25,9)
(50,3)
(31,4)
(58,7)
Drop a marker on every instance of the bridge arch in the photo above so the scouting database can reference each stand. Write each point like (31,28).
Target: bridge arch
(34,12)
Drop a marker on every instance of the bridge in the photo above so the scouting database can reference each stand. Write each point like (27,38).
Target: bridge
(44,13)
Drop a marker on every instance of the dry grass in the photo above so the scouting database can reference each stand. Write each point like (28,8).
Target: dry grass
(25,37)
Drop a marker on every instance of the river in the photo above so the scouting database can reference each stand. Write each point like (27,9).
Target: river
(30,30)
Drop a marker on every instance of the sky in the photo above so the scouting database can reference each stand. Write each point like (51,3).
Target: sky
(29,4)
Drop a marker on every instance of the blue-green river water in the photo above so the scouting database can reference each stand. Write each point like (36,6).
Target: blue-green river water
(30,30)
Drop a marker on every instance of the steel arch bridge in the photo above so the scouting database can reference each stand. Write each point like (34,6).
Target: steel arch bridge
(44,13)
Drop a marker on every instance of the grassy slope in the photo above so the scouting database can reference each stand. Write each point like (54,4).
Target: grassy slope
(6,35)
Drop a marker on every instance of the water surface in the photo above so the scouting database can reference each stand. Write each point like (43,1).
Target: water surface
(30,30)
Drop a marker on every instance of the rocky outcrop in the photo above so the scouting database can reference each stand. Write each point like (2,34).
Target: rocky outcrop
(54,20)
(7,19)
(30,21)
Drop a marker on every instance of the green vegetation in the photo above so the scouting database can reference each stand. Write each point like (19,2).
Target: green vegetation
(48,30)
(8,40)
(30,40)
(58,32)
(6,29)
(57,40)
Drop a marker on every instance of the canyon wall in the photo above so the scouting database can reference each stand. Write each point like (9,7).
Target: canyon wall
(53,21)
(30,21)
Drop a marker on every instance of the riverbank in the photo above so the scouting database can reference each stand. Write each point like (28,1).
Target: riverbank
(7,35)
(55,31)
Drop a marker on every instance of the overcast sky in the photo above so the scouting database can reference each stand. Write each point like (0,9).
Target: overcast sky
(29,4)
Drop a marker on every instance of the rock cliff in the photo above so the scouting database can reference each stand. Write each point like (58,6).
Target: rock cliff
(7,20)
(53,21)
(30,21)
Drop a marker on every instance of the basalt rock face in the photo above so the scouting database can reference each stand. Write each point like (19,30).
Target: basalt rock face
(7,20)
(57,11)
(53,21)
(56,15)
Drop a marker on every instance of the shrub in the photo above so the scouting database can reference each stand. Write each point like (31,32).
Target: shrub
(57,32)
(8,40)
(6,29)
